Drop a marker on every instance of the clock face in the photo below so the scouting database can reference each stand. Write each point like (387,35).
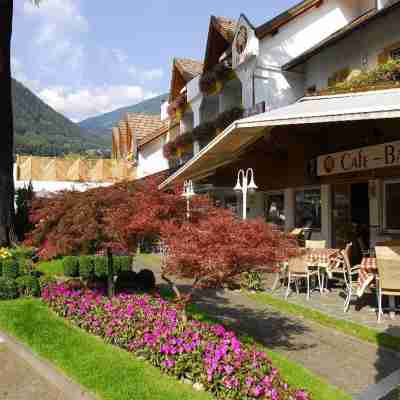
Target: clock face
(241,39)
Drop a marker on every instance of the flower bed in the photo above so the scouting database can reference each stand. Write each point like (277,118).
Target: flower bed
(207,355)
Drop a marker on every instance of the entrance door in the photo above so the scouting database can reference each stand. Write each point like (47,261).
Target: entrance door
(341,215)
(350,215)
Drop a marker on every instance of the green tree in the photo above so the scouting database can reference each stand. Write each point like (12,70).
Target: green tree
(6,125)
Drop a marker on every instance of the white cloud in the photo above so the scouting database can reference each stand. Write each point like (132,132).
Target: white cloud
(19,74)
(62,13)
(58,36)
(86,102)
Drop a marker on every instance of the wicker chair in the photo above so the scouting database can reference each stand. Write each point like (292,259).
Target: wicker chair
(298,268)
(350,275)
(316,244)
(388,261)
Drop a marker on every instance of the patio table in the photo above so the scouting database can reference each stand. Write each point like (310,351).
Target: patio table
(327,259)
(367,274)
(367,277)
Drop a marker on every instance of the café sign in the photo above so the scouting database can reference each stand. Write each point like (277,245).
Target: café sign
(362,159)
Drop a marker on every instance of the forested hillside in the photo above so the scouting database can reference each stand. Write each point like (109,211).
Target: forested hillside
(40,130)
(102,124)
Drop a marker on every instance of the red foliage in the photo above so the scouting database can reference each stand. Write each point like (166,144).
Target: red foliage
(218,247)
(211,248)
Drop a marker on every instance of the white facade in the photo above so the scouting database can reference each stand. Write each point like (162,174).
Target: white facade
(151,159)
(259,69)
(359,51)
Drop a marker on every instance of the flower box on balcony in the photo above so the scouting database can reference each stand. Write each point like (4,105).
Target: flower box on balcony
(212,81)
(384,76)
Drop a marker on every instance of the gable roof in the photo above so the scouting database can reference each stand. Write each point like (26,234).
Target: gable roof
(188,68)
(272,25)
(357,23)
(226,27)
(221,33)
(183,71)
(142,125)
(162,130)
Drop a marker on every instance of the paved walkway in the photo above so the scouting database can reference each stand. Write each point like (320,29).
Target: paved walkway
(23,376)
(341,360)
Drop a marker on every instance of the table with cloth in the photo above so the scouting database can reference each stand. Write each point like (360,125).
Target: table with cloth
(367,274)
(328,259)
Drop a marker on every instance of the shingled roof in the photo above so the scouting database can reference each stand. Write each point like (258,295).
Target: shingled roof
(188,68)
(221,33)
(163,129)
(227,27)
(183,71)
(142,125)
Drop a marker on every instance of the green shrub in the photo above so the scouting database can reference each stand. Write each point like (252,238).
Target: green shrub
(100,266)
(86,267)
(126,263)
(28,285)
(1,268)
(71,266)
(46,280)
(122,263)
(10,268)
(8,289)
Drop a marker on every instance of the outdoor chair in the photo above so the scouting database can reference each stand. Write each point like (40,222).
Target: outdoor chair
(316,244)
(298,268)
(350,275)
(388,262)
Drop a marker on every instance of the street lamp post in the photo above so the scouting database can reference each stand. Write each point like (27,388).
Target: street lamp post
(245,183)
(188,192)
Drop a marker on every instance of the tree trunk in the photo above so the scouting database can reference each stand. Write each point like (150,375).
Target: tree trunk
(6,126)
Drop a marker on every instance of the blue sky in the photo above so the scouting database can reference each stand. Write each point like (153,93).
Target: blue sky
(86,57)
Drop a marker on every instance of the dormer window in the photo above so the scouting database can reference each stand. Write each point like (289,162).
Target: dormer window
(395,54)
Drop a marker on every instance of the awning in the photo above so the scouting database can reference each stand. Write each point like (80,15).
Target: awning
(232,141)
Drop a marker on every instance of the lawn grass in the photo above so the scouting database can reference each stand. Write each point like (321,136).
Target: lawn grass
(53,268)
(105,370)
(350,328)
(294,374)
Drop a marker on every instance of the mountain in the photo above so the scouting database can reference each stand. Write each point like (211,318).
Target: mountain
(102,124)
(40,130)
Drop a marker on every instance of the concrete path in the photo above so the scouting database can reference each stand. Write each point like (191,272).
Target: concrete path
(24,376)
(341,360)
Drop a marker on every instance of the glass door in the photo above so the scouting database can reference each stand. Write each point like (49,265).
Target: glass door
(341,215)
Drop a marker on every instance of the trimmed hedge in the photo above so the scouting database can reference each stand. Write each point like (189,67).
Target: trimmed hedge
(122,263)
(71,266)
(86,267)
(101,267)
(89,267)
(8,289)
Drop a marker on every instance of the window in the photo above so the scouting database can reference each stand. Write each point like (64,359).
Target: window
(391,201)
(308,208)
(275,209)
(395,54)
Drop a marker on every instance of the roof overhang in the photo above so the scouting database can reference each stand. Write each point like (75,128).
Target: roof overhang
(231,143)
